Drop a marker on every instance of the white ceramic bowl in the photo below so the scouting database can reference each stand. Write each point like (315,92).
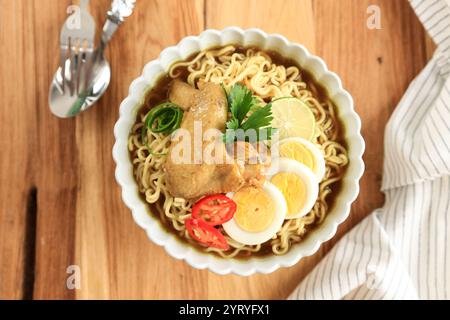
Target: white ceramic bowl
(250,37)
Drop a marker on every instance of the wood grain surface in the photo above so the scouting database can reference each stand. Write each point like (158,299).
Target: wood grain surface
(59,202)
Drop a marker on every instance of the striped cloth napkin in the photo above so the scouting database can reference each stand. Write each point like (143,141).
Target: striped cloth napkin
(402,250)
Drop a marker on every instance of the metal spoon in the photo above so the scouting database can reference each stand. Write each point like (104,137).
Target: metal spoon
(98,77)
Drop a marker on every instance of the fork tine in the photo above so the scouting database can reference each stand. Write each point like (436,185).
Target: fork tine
(89,57)
(70,66)
(62,65)
(78,54)
(73,57)
(84,68)
(78,69)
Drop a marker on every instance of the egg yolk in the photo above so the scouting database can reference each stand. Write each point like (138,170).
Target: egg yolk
(293,189)
(255,209)
(299,152)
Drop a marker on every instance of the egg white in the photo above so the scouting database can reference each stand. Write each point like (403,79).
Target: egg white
(319,160)
(306,174)
(253,238)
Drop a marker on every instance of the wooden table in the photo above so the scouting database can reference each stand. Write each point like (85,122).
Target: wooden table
(59,202)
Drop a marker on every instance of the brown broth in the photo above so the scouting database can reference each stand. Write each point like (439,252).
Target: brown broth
(159,94)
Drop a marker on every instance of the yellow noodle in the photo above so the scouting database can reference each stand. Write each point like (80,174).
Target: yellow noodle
(267,80)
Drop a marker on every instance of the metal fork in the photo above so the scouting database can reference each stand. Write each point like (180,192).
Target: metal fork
(76,47)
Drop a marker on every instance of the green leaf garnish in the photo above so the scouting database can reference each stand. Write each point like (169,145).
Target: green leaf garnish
(259,119)
(233,124)
(240,102)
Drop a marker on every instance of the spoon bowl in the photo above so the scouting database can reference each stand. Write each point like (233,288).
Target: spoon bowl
(64,105)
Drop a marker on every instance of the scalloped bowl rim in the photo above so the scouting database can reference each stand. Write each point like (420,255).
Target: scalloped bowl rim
(184,251)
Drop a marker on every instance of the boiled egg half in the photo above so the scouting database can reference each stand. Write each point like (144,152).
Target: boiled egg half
(305,152)
(259,214)
(297,183)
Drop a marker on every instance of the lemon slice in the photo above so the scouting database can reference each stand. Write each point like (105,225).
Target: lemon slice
(293,118)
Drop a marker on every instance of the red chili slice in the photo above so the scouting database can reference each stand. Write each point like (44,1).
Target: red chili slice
(214,210)
(205,234)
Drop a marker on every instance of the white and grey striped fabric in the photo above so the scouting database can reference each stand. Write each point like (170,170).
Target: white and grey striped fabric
(402,251)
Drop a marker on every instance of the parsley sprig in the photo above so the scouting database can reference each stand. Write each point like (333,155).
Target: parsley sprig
(240,102)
